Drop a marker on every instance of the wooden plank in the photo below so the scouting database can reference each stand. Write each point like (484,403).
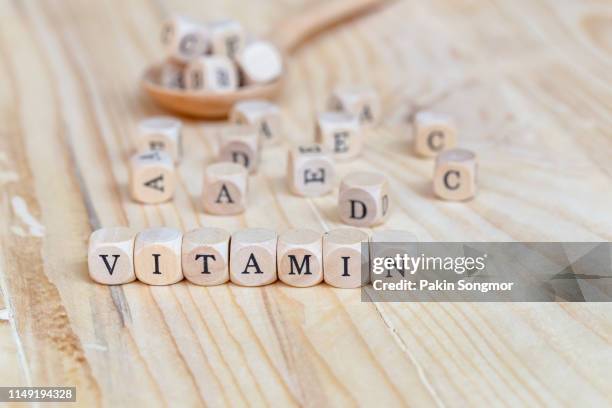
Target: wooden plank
(509,74)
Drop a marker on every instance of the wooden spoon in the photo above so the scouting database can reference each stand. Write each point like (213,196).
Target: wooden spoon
(292,33)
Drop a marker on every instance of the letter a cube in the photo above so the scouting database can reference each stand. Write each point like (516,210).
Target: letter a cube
(253,257)
(152,177)
(225,188)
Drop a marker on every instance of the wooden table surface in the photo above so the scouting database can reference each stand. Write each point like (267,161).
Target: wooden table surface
(529,83)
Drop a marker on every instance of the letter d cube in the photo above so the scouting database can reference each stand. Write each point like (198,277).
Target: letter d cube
(363,200)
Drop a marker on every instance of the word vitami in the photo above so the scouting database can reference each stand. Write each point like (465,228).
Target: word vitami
(404,263)
(212,256)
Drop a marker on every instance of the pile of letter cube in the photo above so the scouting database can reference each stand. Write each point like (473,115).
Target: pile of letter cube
(215,57)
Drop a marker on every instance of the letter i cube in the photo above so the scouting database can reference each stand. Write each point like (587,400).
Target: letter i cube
(152,177)
(340,133)
(157,256)
(310,170)
(205,256)
(360,101)
(455,175)
(345,257)
(300,258)
(363,199)
(253,257)
(160,133)
(240,144)
(263,115)
(111,255)
(225,188)
(433,133)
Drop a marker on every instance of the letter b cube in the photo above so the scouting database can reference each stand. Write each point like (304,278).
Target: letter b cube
(363,200)
(310,170)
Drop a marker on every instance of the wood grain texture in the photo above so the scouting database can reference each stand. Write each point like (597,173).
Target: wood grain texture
(528,83)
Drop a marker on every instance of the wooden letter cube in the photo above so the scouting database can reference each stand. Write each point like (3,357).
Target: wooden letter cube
(225,188)
(253,257)
(152,177)
(310,170)
(340,133)
(227,38)
(388,244)
(205,256)
(360,101)
(240,144)
(160,133)
(455,175)
(433,133)
(343,258)
(111,256)
(263,115)
(171,75)
(299,257)
(184,39)
(363,199)
(260,62)
(215,73)
(157,256)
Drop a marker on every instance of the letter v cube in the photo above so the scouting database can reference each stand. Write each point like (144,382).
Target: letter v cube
(111,255)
